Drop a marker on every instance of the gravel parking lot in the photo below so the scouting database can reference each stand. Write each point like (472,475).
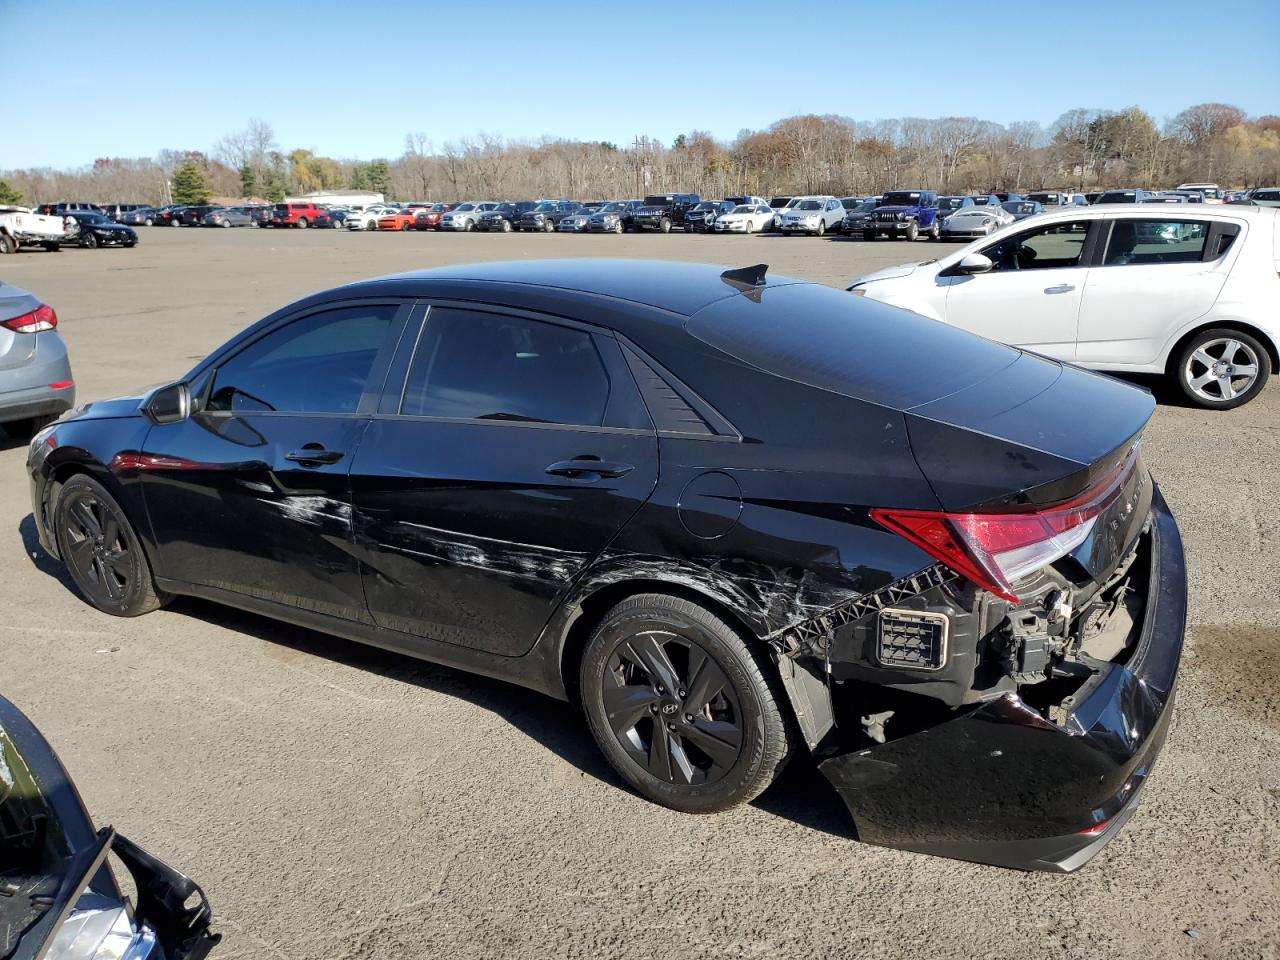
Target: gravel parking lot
(336,801)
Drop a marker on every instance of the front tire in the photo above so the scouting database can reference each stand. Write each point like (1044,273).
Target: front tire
(1220,368)
(913,230)
(822,228)
(7,244)
(681,706)
(101,550)
(665,226)
(89,241)
(303,223)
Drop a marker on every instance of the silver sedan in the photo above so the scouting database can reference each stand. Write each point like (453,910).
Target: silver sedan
(35,373)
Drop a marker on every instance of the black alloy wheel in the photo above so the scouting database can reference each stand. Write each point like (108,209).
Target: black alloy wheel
(681,706)
(89,241)
(101,550)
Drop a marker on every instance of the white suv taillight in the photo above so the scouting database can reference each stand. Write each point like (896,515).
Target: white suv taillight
(41,318)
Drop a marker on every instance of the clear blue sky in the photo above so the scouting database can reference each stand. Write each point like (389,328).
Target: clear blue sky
(350,79)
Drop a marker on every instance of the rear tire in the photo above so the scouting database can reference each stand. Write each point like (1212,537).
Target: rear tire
(716,740)
(303,223)
(1199,359)
(101,550)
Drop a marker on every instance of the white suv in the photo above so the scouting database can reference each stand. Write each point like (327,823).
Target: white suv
(813,215)
(1188,291)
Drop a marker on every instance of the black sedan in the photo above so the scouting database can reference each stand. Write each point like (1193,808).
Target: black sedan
(94,230)
(699,502)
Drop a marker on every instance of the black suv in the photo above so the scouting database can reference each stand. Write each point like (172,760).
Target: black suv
(662,211)
(503,216)
(613,217)
(702,217)
(546,215)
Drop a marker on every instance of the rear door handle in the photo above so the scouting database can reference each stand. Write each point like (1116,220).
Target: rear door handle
(314,455)
(580,468)
(1060,288)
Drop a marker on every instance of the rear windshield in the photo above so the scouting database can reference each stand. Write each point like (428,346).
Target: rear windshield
(835,341)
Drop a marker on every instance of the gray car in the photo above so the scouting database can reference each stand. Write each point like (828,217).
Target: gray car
(35,373)
(227,217)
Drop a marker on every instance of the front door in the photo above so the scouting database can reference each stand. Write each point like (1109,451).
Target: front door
(1031,296)
(516,450)
(250,493)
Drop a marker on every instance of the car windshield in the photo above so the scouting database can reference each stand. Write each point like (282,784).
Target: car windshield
(656,201)
(91,218)
(971,212)
(546,208)
(1019,206)
(466,207)
(777,202)
(703,207)
(809,205)
(612,208)
(743,208)
(950,203)
(866,206)
(1044,197)
(900,200)
(1118,196)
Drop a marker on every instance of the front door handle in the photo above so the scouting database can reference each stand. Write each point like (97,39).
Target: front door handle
(313,455)
(1060,288)
(581,468)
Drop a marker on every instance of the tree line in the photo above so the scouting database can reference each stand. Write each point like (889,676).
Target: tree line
(1082,149)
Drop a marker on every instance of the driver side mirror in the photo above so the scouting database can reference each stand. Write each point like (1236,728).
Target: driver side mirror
(171,404)
(975,263)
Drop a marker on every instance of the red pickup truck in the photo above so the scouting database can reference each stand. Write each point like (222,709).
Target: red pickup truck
(294,215)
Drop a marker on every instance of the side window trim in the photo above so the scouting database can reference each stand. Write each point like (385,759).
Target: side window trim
(377,372)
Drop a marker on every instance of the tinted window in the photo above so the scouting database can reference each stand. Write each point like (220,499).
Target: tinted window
(489,367)
(1156,241)
(318,364)
(900,200)
(1058,245)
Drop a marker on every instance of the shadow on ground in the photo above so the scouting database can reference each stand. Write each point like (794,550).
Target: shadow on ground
(801,794)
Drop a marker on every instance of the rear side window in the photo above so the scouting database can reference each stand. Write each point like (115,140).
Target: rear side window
(482,366)
(318,364)
(1159,240)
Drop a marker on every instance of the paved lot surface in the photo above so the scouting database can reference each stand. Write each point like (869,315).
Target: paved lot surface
(341,802)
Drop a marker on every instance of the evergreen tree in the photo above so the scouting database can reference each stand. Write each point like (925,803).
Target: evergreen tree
(377,176)
(8,194)
(189,185)
(248,182)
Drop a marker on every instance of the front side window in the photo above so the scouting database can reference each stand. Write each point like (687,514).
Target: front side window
(1058,245)
(483,366)
(1157,240)
(318,364)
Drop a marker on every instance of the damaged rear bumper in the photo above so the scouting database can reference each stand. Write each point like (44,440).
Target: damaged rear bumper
(1005,786)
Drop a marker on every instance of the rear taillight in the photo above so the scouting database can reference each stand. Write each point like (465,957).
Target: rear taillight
(994,549)
(41,318)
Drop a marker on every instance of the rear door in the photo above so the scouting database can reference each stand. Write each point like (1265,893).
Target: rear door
(510,450)
(250,493)
(1031,296)
(1156,275)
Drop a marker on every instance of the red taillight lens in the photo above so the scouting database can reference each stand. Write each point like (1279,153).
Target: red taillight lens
(41,318)
(994,549)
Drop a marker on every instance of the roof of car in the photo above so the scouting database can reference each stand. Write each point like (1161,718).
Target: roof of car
(680,288)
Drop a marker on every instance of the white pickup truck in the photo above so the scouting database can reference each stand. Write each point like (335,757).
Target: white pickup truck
(19,227)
